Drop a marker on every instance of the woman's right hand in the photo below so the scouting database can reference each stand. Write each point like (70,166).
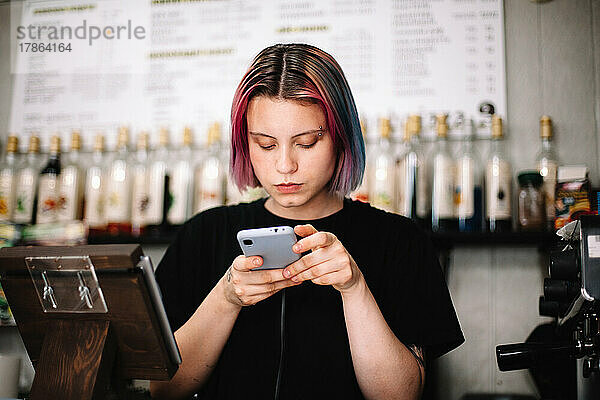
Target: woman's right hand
(245,287)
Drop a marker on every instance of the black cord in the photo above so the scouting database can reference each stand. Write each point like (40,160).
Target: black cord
(282,348)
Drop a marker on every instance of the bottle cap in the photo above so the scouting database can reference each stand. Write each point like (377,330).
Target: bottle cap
(414,125)
(497,127)
(75,140)
(530,177)
(163,137)
(55,144)
(406,135)
(546,127)
(123,137)
(99,142)
(188,136)
(385,127)
(441,125)
(12,144)
(34,144)
(214,133)
(142,140)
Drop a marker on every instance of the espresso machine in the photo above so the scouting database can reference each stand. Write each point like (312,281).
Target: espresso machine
(564,356)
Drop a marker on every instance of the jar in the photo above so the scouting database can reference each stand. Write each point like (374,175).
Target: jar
(532,210)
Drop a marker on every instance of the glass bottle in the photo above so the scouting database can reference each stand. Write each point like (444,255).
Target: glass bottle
(210,177)
(118,190)
(382,170)
(95,186)
(140,193)
(181,182)
(70,201)
(547,165)
(158,184)
(532,210)
(49,185)
(7,179)
(362,193)
(26,186)
(419,170)
(443,179)
(498,183)
(469,182)
(405,177)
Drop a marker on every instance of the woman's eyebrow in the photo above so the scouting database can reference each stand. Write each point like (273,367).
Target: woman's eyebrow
(296,135)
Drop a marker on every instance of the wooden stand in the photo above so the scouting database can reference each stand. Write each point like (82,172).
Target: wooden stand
(76,361)
(81,356)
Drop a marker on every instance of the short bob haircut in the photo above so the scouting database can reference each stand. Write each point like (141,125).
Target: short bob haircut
(303,73)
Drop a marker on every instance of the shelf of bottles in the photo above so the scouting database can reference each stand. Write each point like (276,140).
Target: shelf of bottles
(143,194)
(127,195)
(458,195)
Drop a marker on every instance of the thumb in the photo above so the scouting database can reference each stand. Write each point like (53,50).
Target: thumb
(304,230)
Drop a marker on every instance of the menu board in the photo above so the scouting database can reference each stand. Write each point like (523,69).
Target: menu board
(184,63)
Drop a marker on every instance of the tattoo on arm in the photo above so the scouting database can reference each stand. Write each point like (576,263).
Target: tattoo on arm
(418,354)
(229,275)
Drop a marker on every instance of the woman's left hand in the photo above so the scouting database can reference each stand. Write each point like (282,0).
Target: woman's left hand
(329,263)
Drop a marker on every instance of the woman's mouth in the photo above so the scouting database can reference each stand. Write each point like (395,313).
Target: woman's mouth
(288,187)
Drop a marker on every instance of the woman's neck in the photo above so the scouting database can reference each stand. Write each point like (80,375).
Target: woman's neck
(314,209)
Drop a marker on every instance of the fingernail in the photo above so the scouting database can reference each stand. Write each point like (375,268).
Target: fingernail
(295,279)
(297,247)
(286,273)
(256,261)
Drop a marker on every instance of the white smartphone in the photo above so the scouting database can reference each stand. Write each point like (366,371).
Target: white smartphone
(273,244)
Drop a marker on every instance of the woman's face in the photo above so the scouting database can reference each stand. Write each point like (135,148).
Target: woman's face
(291,151)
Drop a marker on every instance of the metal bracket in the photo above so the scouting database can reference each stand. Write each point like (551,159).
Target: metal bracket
(66,284)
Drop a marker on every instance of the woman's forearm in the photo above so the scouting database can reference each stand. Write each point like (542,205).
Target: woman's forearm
(200,340)
(384,367)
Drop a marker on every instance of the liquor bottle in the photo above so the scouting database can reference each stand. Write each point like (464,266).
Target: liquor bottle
(209,181)
(118,188)
(418,167)
(469,182)
(407,168)
(382,170)
(158,185)
(181,182)
(547,165)
(7,179)
(95,187)
(444,175)
(140,193)
(362,193)
(70,201)
(498,183)
(49,185)
(26,185)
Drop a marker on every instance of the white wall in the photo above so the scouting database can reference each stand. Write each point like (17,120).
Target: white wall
(553,67)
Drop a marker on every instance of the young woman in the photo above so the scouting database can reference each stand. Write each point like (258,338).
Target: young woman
(363,308)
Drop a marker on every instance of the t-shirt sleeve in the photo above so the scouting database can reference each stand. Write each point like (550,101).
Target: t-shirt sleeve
(177,275)
(438,329)
(424,314)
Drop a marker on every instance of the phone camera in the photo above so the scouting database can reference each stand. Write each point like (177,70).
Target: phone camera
(275,229)
(248,242)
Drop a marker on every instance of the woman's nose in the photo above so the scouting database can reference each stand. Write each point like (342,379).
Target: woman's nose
(285,163)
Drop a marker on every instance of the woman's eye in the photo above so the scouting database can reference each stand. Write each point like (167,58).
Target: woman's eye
(267,147)
(307,146)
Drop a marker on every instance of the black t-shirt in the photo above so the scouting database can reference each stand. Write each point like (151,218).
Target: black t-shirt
(396,258)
